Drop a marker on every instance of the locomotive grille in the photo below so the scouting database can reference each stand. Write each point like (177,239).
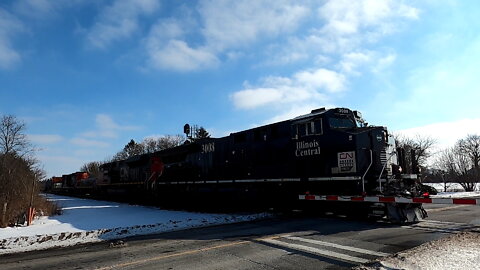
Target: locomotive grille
(384,160)
(383,157)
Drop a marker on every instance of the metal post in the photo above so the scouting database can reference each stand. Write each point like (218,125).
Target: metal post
(444,181)
(30,208)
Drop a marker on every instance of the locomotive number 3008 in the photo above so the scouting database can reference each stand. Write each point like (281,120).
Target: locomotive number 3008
(208,148)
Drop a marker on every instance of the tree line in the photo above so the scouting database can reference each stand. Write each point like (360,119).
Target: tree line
(20,174)
(146,146)
(459,163)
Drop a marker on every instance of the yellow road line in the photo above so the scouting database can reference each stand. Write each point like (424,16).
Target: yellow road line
(188,252)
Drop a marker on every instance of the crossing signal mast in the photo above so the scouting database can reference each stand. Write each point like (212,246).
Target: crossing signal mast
(194,132)
(190,131)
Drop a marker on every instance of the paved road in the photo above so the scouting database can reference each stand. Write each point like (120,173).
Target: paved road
(294,242)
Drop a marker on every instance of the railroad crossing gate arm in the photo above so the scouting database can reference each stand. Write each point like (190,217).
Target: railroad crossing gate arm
(384,199)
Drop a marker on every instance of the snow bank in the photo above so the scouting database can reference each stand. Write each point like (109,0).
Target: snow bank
(86,221)
(459,251)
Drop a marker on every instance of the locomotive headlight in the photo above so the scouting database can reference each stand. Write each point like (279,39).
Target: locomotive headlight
(396,169)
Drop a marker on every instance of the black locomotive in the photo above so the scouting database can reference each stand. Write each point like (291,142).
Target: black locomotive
(325,152)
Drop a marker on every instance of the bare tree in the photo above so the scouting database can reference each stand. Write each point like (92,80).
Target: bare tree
(421,146)
(461,162)
(170,141)
(148,145)
(470,146)
(14,172)
(92,168)
(12,136)
(19,170)
(445,162)
(151,145)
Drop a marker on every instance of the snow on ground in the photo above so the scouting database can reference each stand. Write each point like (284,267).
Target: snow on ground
(454,190)
(458,251)
(470,194)
(451,187)
(85,221)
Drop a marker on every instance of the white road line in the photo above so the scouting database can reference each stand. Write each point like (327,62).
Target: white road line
(445,208)
(439,230)
(317,251)
(439,226)
(444,222)
(358,250)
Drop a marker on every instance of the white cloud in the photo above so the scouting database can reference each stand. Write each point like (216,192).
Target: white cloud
(384,62)
(346,27)
(252,98)
(119,21)
(235,23)
(166,48)
(177,55)
(358,62)
(321,78)
(340,46)
(45,138)
(106,127)
(304,86)
(36,8)
(346,17)
(297,110)
(9,26)
(46,9)
(352,60)
(224,26)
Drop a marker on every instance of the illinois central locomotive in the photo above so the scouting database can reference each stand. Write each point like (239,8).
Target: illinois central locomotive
(324,152)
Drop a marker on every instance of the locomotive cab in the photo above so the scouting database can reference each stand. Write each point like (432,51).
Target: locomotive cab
(336,145)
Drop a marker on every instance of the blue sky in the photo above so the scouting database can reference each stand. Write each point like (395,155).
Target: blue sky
(88,76)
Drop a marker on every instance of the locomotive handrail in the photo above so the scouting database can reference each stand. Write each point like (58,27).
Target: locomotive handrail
(383,168)
(370,165)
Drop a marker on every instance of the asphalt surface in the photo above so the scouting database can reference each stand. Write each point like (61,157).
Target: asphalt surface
(289,242)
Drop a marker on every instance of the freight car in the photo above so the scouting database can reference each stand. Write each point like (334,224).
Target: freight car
(325,152)
(74,183)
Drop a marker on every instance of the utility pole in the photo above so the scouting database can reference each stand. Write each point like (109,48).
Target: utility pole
(442,173)
(31,210)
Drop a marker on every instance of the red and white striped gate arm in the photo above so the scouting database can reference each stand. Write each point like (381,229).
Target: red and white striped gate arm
(382,199)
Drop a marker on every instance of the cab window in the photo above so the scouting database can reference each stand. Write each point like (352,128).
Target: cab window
(307,128)
(318,127)
(341,122)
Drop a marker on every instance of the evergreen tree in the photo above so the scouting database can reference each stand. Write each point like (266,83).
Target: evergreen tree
(131,149)
(202,133)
